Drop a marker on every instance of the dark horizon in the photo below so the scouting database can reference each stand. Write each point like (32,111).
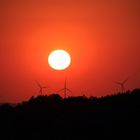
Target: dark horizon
(78,118)
(72,96)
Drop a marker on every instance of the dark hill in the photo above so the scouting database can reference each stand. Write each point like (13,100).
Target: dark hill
(52,117)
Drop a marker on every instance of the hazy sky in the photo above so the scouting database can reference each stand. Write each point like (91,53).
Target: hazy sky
(102,37)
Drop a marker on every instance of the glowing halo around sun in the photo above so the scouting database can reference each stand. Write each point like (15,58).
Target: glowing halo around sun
(59,59)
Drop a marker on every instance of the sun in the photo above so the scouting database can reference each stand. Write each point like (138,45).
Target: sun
(59,59)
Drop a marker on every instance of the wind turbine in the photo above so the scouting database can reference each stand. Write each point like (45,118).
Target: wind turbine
(122,84)
(40,88)
(65,89)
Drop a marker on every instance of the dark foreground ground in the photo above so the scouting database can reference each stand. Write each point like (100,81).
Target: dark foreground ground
(74,118)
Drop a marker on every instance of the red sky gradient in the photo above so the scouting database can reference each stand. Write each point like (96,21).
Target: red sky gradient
(102,37)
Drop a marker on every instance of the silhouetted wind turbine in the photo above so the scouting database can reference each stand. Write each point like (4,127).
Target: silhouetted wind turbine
(65,89)
(41,88)
(122,84)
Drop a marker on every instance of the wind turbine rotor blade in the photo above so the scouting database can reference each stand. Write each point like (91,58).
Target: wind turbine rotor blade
(69,90)
(65,85)
(125,80)
(61,90)
(117,83)
(45,87)
(38,84)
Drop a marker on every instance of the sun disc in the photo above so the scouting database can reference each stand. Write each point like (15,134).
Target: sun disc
(59,60)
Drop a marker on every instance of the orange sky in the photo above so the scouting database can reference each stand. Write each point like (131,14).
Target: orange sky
(102,37)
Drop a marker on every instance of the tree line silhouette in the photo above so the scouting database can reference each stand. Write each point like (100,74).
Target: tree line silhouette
(53,117)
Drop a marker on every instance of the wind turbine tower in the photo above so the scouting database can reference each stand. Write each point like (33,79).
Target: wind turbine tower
(65,89)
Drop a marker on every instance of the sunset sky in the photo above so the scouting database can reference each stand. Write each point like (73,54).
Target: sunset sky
(102,37)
